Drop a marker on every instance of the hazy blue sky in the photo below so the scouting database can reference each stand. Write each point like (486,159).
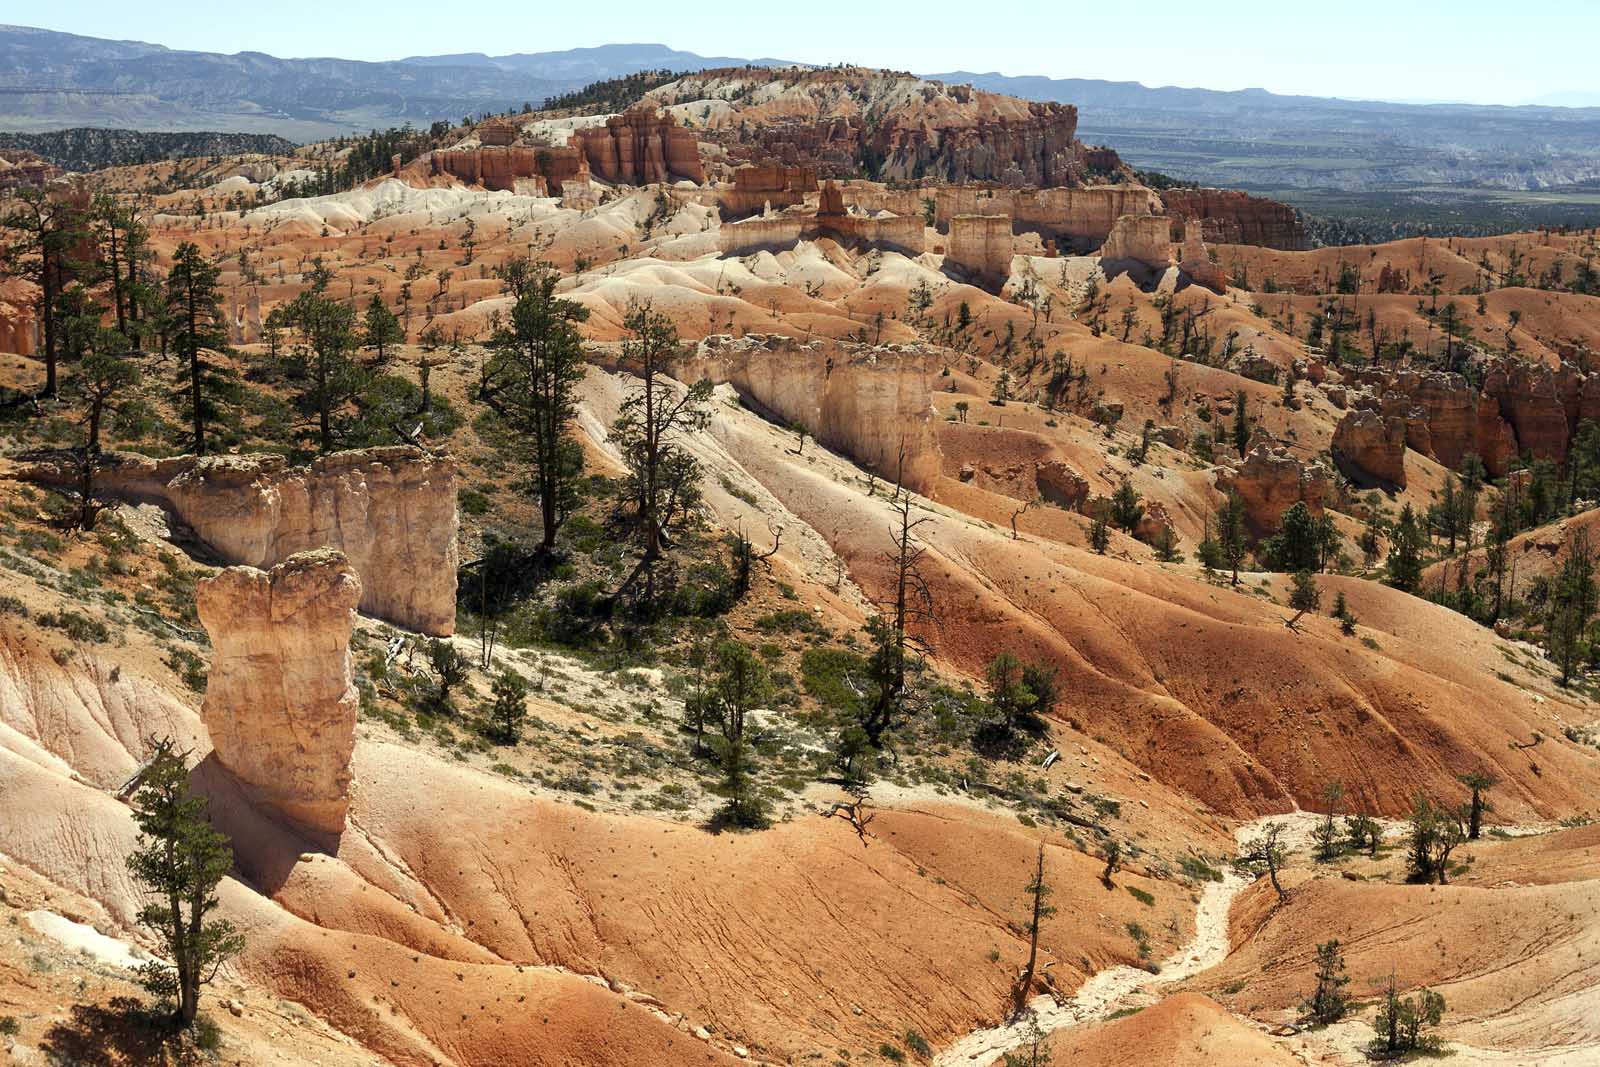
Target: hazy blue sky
(1487,51)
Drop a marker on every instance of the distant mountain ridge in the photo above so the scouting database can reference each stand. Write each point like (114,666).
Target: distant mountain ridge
(1255,139)
(51,80)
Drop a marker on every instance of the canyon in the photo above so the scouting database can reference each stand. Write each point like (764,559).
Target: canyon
(476,785)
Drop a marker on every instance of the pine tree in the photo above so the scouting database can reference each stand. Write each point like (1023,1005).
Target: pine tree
(44,229)
(509,707)
(1099,531)
(332,380)
(180,859)
(381,328)
(529,386)
(1328,1001)
(1126,508)
(1241,423)
(194,308)
(662,475)
(740,683)
(1231,534)
(1405,552)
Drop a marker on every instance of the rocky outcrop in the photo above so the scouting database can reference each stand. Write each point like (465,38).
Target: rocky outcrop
(1270,481)
(1060,485)
(1077,218)
(871,403)
(1228,216)
(280,701)
(772,185)
(19,325)
(897,128)
(392,511)
(513,168)
(1371,447)
(641,146)
(1534,398)
(1195,261)
(785,229)
(1448,408)
(1145,239)
(980,245)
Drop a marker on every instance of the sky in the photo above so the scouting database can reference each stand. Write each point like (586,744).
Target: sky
(1480,51)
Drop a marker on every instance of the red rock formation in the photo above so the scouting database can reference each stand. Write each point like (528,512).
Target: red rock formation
(1447,408)
(1196,262)
(639,147)
(20,167)
(756,188)
(1534,398)
(1229,216)
(1270,481)
(1077,218)
(497,132)
(501,168)
(1370,447)
(1060,485)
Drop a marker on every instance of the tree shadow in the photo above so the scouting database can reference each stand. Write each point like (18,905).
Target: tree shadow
(123,1032)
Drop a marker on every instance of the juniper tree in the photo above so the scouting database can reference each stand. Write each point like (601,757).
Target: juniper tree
(180,859)
(1434,833)
(509,707)
(1327,832)
(1126,508)
(1232,539)
(1405,551)
(331,380)
(1402,1022)
(740,682)
(1363,833)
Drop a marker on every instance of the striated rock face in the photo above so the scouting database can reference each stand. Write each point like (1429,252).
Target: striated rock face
(756,188)
(280,699)
(1228,216)
(1270,481)
(894,126)
(981,246)
(1534,398)
(1079,218)
(1144,239)
(639,147)
(1448,408)
(1369,446)
(391,511)
(1196,262)
(871,403)
(19,326)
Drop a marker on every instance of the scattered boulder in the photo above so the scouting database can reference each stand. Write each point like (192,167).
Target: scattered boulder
(1060,485)
(281,701)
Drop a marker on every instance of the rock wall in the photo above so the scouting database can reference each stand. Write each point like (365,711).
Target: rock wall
(756,188)
(280,701)
(871,403)
(391,511)
(1194,260)
(1078,217)
(639,147)
(1143,239)
(1524,406)
(778,231)
(1228,216)
(19,327)
(981,246)
(1371,447)
(1270,481)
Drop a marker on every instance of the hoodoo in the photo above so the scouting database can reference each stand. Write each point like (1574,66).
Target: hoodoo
(280,700)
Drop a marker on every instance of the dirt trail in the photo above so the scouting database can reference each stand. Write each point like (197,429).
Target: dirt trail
(1115,987)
